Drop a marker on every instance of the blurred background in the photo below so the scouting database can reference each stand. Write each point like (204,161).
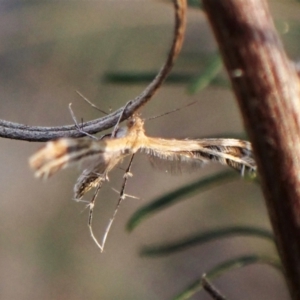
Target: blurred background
(50,49)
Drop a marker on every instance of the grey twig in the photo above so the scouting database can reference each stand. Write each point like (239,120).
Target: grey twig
(37,133)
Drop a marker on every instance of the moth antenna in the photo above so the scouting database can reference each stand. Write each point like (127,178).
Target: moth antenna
(91,103)
(172,111)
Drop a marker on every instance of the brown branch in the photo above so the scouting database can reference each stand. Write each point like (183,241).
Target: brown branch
(37,133)
(267,88)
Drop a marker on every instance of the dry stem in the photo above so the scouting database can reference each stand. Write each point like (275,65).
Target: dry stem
(267,88)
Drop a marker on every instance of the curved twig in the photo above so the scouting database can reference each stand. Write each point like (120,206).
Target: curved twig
(38,133)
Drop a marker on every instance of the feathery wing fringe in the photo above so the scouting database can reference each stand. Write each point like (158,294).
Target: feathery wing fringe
(59,154)
(62,153)
(235,153)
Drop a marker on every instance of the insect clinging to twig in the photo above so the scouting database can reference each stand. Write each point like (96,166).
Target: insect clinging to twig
(99,157)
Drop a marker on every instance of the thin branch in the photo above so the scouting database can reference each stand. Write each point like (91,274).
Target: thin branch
(267,88)
(37,133)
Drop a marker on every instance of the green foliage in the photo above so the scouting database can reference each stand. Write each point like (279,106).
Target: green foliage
(206,76)
(217,271)
(204,237)
(179,194)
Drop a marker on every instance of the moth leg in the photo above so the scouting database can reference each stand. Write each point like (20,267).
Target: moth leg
(243,170)
(87,180)
(121,198)
(119,120)
(126,176)
(91,206)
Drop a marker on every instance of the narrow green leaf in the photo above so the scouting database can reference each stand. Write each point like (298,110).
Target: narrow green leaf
(211,70)
(144,77)
(195,3)
(183,192)
(192,3)
(205,237)
(225,267)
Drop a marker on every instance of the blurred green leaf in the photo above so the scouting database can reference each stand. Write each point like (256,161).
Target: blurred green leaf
(211,70)
(192,3)
(144,77)
(205,237)
(183,192)
(225,267)
(195,3)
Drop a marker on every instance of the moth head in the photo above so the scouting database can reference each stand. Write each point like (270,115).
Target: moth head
(135,122)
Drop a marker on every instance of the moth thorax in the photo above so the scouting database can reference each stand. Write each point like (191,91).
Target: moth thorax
(121,132)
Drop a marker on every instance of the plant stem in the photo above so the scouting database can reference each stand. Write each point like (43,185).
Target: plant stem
(267,88)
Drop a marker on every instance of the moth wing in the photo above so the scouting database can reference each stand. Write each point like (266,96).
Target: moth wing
(235,153)
(189,155)
(65,152)
(88,179)
(175,162)
(96,172)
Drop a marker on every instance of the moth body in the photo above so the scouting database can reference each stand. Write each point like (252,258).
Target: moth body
(98,158)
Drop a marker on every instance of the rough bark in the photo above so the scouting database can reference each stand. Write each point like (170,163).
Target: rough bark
(267,89)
